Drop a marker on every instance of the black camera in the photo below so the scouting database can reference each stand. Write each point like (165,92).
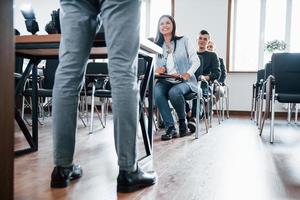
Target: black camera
(53,26)
(30,21)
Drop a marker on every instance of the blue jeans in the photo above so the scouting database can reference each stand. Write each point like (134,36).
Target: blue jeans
(78,26)
(164,91)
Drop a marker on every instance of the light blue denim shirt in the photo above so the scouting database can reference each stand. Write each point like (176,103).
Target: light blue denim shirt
(185,58)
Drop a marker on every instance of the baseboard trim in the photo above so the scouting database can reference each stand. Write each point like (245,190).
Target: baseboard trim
(243,113)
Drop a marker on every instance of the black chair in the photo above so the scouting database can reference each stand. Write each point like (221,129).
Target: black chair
(96,85)
(256,87)
(45,87)
(283,85)
(221,91)
(262,94)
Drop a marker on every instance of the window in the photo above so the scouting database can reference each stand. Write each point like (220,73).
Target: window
(253,23)
(245,51)
(275,23)
(295,28)
(151,11)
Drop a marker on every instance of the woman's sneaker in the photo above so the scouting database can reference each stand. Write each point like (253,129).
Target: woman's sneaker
(170,133)
(182,128)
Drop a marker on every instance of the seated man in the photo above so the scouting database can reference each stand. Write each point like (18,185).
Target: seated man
(211,72)
(219,91)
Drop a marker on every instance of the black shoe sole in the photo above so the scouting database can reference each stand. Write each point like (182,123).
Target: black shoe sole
(60,184)
(63,184)
(169,138)
(133,188)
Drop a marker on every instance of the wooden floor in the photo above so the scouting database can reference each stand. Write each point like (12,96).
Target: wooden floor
(230,162)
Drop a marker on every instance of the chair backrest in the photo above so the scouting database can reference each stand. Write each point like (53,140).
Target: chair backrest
(97,68)
(142,66)
(49,73)
(260,75)
(19,65)
(286,69)
(268,70)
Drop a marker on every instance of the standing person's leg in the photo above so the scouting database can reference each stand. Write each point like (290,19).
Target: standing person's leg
(78,25)
(121,19)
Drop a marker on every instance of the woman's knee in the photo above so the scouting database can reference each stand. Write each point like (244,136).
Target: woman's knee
(175,93)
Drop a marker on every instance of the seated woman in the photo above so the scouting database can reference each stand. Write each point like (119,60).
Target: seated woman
(179,59)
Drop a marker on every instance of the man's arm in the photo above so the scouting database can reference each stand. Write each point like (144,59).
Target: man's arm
(215,71)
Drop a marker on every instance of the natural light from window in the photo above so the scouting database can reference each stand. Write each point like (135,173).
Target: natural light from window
(256,22)
(157,9)
(295,30)
(275,23)
(246,37)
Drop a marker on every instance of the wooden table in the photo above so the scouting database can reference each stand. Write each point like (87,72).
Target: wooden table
(40,47)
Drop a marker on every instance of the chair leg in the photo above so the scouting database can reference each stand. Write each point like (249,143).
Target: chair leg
(208,110)
(227,101)
(92,110)
(252,103)
(222,107)
(272,117)
(296,112)
(100,116)
(204,116)
(218,111)
(261,107)
(289,113)
(23,107)
(262,117)
(197,116)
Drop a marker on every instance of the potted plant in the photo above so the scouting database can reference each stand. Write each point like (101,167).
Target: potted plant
(274,46)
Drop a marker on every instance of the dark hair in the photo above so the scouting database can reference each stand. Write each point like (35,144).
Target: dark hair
(159,40)
(204,32)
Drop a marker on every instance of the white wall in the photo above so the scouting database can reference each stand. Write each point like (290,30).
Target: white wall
(42,10)
(194,15)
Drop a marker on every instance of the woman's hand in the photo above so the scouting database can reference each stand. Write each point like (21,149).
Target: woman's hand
(186,76)
(160,70)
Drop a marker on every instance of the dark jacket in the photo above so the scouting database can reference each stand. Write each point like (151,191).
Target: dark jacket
(211,65)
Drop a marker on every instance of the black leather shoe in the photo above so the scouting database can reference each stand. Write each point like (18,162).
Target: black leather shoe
(182,128)
(132,181)
(61,176)
(170,133)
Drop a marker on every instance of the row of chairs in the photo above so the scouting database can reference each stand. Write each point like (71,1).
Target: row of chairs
(217,100)
(96,86)
(279,81)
